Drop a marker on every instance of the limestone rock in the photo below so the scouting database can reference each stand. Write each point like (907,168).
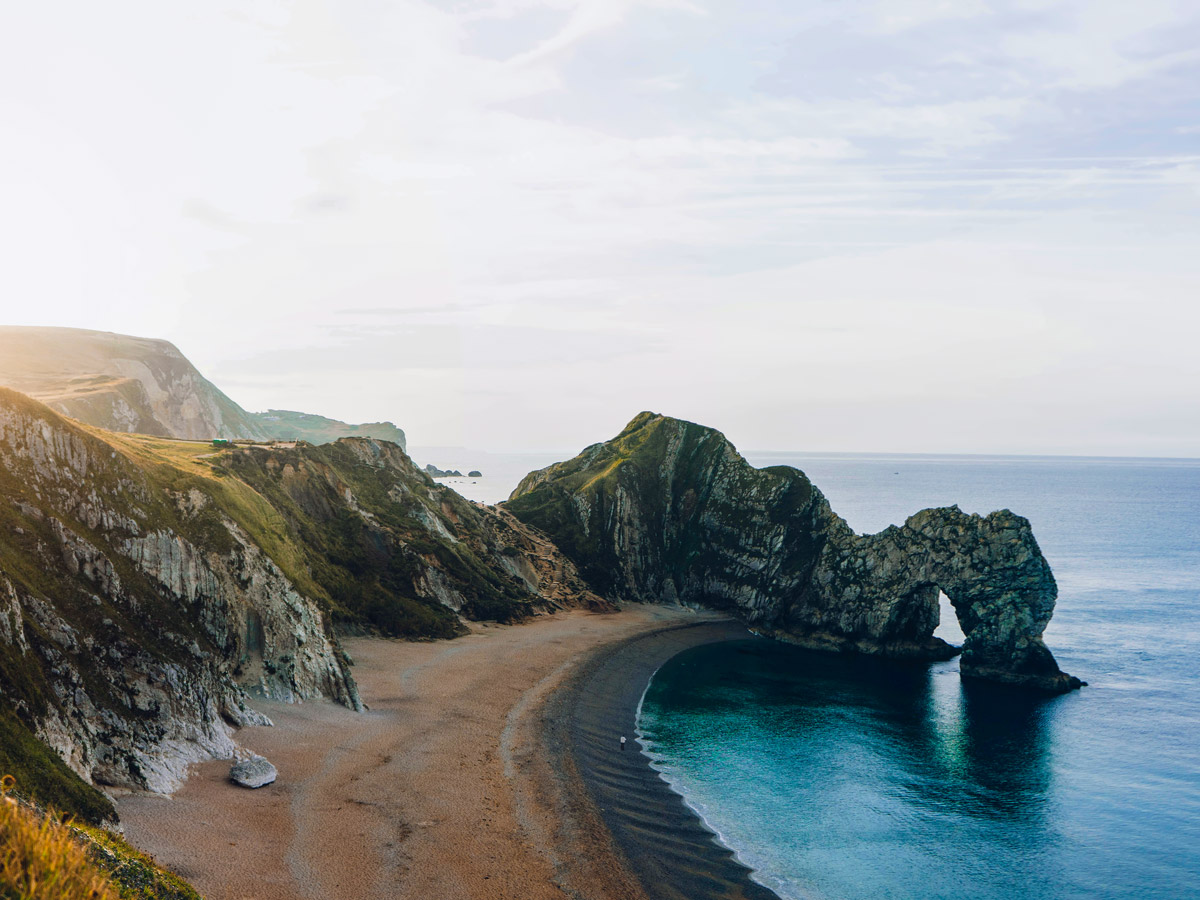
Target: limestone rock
(254,772)
(669,512)
(147,588)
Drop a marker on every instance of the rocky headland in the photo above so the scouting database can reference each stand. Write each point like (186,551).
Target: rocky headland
(669,512)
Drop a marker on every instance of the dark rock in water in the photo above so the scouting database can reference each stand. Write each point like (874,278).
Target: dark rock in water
(254,772)
(474,473)
(434,472)
(669,512)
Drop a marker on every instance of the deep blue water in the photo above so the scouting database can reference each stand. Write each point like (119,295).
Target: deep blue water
(857,778)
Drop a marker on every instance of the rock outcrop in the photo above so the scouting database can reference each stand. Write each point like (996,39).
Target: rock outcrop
(669,512)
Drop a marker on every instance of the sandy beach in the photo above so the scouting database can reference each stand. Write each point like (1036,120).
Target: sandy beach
(457,782)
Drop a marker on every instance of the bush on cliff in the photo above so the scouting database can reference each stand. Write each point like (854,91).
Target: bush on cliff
(41,859)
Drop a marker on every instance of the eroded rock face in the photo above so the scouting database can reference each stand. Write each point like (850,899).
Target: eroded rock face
(885,586)
(134,617)
(148,588)
(669,512)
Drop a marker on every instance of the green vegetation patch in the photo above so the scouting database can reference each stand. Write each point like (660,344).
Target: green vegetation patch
(135,875)
(44,778)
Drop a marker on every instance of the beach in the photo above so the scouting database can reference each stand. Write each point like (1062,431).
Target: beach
(656,838)
(471,775)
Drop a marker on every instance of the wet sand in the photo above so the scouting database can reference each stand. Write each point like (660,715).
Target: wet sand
(455,782)
(655,837)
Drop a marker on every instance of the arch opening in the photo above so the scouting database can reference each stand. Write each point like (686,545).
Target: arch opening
(948,628)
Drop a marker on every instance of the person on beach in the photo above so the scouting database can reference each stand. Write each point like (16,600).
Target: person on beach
(622,743)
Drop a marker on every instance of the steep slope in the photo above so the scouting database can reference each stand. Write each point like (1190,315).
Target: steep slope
(289,425)
(669,511)
(146,585)
(386,547)
(120,383)
(144,386)
(134,610)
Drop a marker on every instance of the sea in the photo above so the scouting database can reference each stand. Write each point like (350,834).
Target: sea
(851,778)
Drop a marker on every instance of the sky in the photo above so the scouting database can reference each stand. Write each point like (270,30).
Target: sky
(953,226)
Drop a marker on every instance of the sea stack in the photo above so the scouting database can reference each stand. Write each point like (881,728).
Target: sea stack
(668,512)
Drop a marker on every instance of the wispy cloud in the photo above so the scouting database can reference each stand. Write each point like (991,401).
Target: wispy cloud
(590,17)
(683,202)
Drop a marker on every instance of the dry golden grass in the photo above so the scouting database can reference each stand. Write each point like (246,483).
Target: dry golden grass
(41,859)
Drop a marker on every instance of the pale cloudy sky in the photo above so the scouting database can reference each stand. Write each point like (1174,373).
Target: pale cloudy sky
(905,225)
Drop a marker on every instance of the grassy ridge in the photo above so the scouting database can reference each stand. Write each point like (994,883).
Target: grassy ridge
(367,555)
(360,560)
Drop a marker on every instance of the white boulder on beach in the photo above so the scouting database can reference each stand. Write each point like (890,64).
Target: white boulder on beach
(254,772)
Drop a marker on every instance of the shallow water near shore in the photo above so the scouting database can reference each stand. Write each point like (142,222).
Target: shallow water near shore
(838,777)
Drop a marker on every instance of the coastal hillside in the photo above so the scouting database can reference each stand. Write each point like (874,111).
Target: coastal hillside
(289,425)
(120,383)
(668,511)
(148,586)
(145,386)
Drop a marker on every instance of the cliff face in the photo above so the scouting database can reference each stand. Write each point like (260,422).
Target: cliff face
(120,383)
(147,586)
(136,616)
(668,511)
(144,386)
(389,549)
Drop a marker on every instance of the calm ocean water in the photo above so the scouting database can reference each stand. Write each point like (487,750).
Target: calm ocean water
(857,778)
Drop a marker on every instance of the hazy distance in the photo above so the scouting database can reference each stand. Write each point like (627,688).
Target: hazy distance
(865,226)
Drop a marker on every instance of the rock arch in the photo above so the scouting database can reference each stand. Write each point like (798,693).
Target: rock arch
(885,588)
(668,512)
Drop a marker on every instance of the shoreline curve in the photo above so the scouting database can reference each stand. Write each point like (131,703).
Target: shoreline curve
(617,798)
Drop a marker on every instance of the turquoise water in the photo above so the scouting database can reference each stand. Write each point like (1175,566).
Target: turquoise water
(857,778)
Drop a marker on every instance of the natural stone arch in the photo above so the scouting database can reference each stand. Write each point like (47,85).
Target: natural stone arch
(886,586)
(667,512)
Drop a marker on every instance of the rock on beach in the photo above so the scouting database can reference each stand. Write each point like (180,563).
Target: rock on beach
(254,772)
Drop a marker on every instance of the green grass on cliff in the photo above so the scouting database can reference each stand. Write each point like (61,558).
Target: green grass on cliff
(43,858)
(135,875)
(362,571)
(692,497)
(44,778)
(368,562)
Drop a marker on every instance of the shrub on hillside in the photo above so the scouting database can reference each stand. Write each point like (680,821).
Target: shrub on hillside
(41,859)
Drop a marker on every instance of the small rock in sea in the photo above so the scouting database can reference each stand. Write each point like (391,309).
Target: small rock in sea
(254,772)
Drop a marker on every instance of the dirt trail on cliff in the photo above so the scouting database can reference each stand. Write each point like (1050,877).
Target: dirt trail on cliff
(427,794)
